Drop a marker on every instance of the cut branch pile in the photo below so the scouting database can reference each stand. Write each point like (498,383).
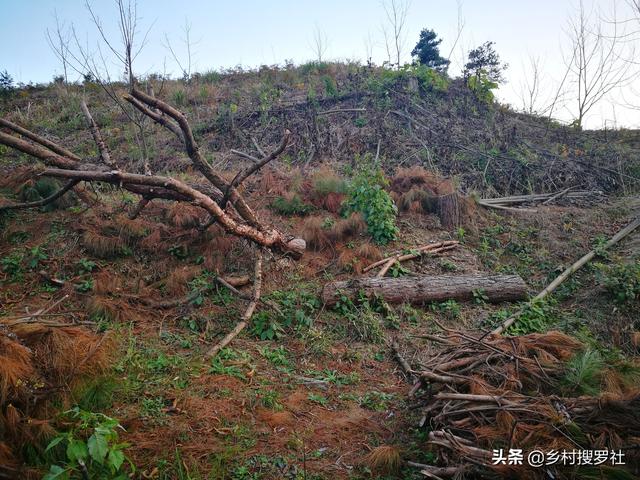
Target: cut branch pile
(405,255)
(480,395)
(507,203)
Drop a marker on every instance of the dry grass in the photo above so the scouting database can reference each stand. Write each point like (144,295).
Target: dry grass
(315,234)
(384,459)
(177,281)
(102,246)
(369,251)
(406,179)
(348,228)
(185,216)
(39,365)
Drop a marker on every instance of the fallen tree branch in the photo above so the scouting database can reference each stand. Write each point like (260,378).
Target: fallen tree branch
(97,137)
(413,253)
(424,289)
(567,273)
(248,313)
(502,207)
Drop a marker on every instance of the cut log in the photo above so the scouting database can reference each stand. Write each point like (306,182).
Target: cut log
(424,289)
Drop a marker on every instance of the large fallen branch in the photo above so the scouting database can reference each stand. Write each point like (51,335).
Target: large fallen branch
(569,271)
(240,221)
(424,289)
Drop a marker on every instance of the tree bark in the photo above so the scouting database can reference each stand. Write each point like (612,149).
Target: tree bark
(424,289)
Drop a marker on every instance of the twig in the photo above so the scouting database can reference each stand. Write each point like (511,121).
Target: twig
(246,316)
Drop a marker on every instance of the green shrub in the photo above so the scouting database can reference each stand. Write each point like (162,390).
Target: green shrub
(536,316)
(91,448)
(291,206)
(482,87)
(326,185)
(622,281)
(368,197)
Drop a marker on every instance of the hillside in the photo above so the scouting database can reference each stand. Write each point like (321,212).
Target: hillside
(112,306)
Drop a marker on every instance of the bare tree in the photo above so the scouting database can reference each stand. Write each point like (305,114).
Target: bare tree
(319,43)
(185,65)
(597,62)
(368,47)
(59,41)
(396,12)
(459,30)
(531,89)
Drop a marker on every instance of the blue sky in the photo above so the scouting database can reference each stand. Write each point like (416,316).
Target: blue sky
(253,32)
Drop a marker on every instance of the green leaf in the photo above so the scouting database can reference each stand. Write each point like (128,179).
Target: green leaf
(54,442)
(77,449)
(98,447)
(115,459)
(56,473)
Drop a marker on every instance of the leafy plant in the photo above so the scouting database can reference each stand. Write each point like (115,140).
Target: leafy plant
(91,448)
(85,286)
(376,401)
(368,196)
(85,266)
(12,265)
(535,316)
(622,281)
(364,317)
(482,86)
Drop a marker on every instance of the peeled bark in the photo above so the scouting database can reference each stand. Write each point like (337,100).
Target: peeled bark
(424,289)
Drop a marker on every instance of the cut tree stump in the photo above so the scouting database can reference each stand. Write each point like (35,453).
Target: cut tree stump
(424,289)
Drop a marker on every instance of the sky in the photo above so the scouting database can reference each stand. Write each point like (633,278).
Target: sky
(253,32)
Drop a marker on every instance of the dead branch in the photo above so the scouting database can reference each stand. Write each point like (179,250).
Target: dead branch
(248,313)
(244,174)
(54,147)
(413,253)
(97,137)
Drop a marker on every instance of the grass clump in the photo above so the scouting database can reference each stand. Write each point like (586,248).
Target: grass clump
(291,205)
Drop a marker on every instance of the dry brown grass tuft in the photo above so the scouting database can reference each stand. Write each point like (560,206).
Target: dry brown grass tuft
(273,183)
(406,179)
(15,367)
(349,261)
(177,281)
(102,246)
(131,230)
(185,216)
(315,234)
(39,365)
(348,228)
(369,252)
(384,459)
(106,283)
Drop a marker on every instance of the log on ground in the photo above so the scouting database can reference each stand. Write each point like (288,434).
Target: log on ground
(424,289)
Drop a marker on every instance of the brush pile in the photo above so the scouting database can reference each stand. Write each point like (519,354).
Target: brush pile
(40,364)
(480,397)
